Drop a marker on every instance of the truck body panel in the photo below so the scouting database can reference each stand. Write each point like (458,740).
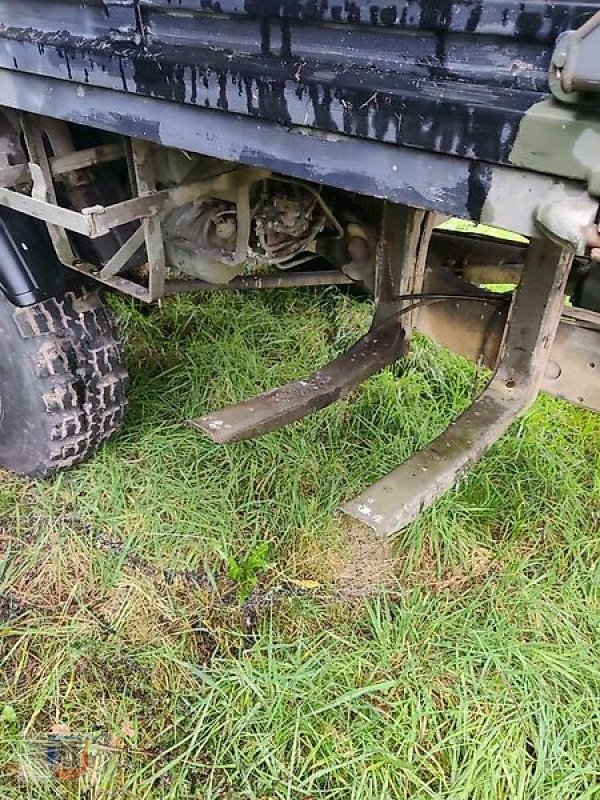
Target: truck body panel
(451,78)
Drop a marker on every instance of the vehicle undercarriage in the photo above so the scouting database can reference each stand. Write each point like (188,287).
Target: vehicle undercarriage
(136,187)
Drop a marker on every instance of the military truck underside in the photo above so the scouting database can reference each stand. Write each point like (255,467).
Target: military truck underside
(198,145)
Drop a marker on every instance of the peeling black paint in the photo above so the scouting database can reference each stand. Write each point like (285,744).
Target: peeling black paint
(435,103)
(479,183)
(446,15)
(451,77)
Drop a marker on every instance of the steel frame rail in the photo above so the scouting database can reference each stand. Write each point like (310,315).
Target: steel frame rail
(147,207)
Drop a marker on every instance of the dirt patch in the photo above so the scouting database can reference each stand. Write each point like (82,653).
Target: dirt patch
(10,608)
(367,564)
(481,564)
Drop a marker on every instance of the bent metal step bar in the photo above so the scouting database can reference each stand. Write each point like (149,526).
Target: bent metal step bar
(396,500)
(381,347)
(530,330)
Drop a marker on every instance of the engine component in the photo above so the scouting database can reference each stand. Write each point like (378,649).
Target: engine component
(287,222)
(360,248)
(273,221)
(201,239)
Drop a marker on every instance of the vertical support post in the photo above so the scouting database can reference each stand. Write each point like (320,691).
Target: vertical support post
(43,184)
(401,260)
(153,235)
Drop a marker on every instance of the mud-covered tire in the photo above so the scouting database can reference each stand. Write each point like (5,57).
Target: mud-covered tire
(62,382)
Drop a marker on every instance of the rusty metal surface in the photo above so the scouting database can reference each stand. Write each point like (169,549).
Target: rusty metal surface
(270,411)
(401,260)
(255,282)
(475,329)
(396,500)
(573,370)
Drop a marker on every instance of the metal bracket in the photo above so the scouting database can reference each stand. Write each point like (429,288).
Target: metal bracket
(401,260)
(396,500)
(91,222)
(151,226)
(575,67)
(43,191)
(147,206)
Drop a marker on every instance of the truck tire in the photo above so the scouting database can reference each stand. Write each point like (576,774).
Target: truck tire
(62,382)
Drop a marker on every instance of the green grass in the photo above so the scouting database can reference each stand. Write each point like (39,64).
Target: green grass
(467,226)
(474,673)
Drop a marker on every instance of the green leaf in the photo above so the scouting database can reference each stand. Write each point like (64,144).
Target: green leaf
(9,715)
(258,558)
(234,569)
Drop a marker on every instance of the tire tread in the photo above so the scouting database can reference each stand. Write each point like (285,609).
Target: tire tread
(77,358)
